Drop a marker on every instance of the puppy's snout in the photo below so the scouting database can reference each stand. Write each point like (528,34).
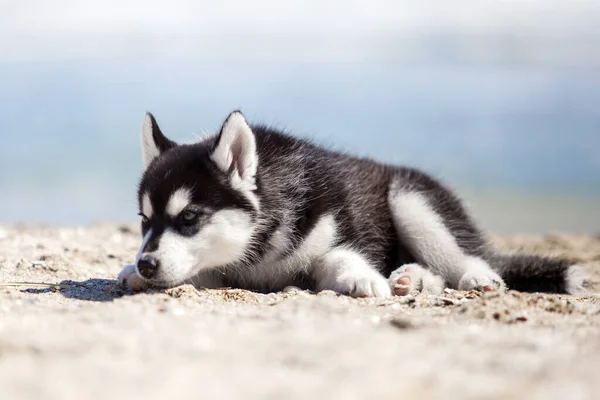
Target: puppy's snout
(147,267)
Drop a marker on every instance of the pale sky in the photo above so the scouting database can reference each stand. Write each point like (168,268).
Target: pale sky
(42,29)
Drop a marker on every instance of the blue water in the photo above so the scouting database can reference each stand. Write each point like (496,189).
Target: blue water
(69,131)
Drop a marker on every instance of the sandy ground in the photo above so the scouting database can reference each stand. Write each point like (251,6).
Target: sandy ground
(90,340)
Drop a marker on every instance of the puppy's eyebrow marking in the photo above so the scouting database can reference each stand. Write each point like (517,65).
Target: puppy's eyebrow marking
(146,206)
(179,200)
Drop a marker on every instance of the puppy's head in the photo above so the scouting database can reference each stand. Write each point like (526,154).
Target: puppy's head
(197,202)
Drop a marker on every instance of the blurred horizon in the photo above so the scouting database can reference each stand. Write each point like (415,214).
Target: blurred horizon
(497,99)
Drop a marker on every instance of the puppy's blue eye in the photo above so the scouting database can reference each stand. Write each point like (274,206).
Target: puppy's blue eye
(188,216)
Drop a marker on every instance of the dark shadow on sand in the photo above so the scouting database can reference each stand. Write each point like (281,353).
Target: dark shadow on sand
(92,290)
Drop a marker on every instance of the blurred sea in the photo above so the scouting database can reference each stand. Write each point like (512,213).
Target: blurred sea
(521,145)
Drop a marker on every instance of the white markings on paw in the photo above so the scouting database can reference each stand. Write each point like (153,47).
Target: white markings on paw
(363,285)
(479,275)
(347,272)
(411,277)
(424,232)
(130,280)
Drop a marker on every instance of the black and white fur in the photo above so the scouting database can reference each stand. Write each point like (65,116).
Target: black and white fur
(255,208)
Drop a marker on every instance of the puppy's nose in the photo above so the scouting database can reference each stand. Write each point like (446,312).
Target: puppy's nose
(147,267)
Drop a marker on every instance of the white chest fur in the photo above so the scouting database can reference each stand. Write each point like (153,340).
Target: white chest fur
(277,270)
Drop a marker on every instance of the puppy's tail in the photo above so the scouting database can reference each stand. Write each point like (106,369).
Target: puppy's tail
(532,273)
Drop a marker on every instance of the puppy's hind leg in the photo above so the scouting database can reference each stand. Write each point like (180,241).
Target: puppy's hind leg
(435,247)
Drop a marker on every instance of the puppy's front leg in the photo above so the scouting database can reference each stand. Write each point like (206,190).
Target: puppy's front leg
(348,272)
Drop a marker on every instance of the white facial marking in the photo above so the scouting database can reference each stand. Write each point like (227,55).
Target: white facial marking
(178,201)
(221,241)
(149,149)
(145,241)
(147,206)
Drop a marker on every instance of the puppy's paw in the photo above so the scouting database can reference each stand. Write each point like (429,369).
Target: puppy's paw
(348,272)
(130,280)
(480,276)
(411,277)
(363,285)
(355,281)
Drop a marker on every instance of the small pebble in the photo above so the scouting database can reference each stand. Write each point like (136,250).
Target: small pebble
(401,323)
(38,263)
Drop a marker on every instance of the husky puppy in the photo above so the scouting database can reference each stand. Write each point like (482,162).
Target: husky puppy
(254,208)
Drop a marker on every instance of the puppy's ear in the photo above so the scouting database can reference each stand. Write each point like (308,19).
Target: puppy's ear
(153,140)
(235,152)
